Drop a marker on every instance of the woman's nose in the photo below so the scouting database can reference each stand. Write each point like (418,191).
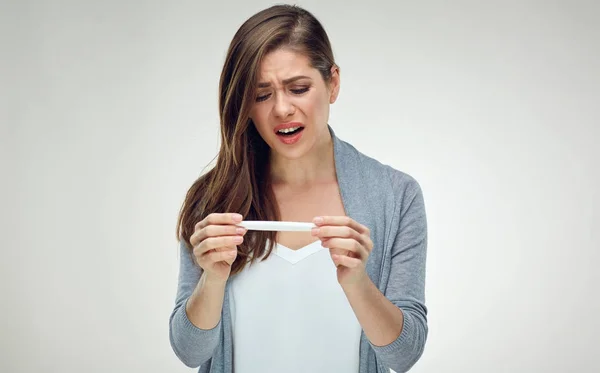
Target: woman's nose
(283,106)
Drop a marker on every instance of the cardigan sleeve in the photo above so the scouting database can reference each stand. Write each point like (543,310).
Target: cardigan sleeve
(406,284)
(192,345)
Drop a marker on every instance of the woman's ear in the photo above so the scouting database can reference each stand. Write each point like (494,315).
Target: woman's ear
(334,84)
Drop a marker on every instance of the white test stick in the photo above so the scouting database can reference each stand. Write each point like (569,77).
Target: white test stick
(279,226)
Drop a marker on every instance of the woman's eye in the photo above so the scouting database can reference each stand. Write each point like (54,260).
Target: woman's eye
(299,91)
(263,97)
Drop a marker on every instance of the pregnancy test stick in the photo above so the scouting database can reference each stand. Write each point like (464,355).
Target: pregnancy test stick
(279,226)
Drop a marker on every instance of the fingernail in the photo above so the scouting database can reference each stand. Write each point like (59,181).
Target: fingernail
(237,218)
(315,231)
(318,220)
(240,230)
(238,239)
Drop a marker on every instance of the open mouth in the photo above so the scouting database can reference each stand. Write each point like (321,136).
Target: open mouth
(290,131)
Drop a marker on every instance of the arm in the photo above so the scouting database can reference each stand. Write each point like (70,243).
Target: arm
(194,325)
(399,337)
(379,318)
(395,323)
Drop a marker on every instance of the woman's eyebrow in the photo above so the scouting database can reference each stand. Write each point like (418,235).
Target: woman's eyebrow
(285,81)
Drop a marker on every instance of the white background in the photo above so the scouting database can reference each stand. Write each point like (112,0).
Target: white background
(109,113)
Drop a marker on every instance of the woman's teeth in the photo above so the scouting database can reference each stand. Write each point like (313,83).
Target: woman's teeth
(288,130)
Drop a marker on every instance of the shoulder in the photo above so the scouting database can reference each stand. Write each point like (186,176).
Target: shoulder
(382,177)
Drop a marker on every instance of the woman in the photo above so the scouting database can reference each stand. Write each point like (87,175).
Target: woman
(346,297)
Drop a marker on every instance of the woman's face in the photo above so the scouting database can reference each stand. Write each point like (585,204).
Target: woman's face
(292,97)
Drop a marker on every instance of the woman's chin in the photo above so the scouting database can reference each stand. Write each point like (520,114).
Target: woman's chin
(289,152)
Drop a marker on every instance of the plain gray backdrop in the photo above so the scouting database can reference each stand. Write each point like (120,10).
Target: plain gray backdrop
(109,113)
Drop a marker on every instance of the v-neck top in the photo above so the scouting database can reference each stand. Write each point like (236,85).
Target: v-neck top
(289,314)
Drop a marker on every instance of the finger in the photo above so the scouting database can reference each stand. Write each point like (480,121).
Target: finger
(215,231)
(345,261)
(369,245)
(216,242)
(219,256)
(340,220)
(346,244)
(225,248)
(334,249)
(231,254)
(218,219)
(342,231)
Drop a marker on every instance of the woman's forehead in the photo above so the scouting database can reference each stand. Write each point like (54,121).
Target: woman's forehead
(283,64)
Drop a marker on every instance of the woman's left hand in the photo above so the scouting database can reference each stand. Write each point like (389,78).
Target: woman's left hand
(349,244)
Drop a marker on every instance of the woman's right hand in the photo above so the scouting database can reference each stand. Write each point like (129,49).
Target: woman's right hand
(215,241)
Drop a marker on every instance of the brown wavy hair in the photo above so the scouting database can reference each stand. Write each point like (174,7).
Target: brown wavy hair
(240,181)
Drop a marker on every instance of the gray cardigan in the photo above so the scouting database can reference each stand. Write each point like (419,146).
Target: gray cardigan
(387,201)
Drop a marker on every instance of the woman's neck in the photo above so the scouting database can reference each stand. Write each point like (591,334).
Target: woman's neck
(316,167)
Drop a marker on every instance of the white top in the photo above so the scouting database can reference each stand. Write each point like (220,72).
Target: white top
(289,314)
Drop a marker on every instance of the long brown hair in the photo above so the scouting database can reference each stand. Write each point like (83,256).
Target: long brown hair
(240,180)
